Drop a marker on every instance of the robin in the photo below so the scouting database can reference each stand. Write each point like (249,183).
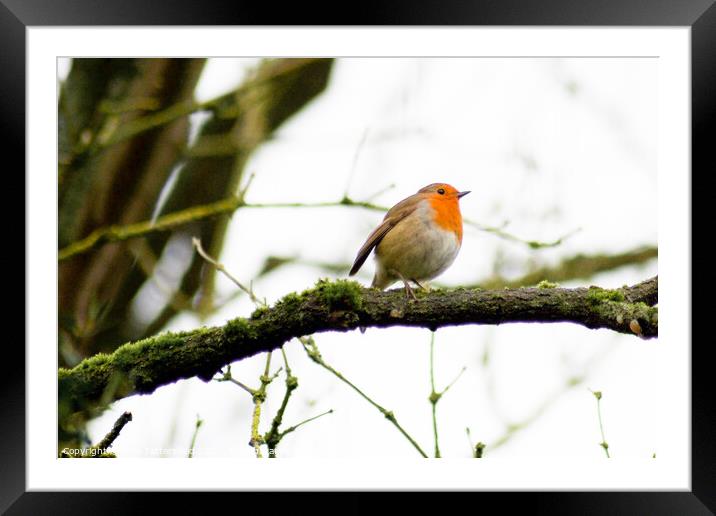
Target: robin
(418,239)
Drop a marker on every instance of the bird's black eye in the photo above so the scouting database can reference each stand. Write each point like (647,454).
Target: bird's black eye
(441,191)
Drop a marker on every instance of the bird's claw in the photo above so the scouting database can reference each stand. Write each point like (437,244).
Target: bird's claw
(409,294)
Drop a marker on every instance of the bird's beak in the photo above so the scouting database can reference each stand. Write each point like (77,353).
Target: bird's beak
(460,194)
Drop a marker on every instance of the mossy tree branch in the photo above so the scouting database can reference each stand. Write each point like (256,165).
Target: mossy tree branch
(183,218)
(143,366)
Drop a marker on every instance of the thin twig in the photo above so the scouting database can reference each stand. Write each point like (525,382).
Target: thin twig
(311,348)
(273,436)
(220,267)
(199,422)
(242,194)
(186,216)
(294,427)
(434,395)
(380,192)
(109,439)
(453,381)
(477,450)
(227,377)
(229,205)
(243,386)
(532,244)
(259,397)
(603,444)
(358,150)
(166,222)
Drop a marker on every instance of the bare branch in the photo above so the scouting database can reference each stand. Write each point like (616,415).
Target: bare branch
(184,217)
(197,425)
(229,205)
(109,439)
(579,266)
(603,444)
(309,344)
(435,395)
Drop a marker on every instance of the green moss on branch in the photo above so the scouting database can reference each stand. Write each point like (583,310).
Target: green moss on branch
(143,366)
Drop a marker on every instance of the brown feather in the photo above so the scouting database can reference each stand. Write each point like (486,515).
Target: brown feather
(394,215)
(373,240)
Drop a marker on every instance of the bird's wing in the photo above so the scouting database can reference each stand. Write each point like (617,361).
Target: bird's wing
(373,240)
(394,215)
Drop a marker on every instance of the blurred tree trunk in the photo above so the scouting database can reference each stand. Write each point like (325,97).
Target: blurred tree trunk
(242,120)
(106,180)
(101,185)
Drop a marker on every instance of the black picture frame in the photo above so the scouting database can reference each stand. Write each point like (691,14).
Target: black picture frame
(17,15)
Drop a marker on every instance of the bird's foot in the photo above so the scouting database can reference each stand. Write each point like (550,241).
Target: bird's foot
(424,287)
(409,294)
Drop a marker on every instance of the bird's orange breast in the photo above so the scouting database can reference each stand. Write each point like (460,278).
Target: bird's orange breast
(447,215)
